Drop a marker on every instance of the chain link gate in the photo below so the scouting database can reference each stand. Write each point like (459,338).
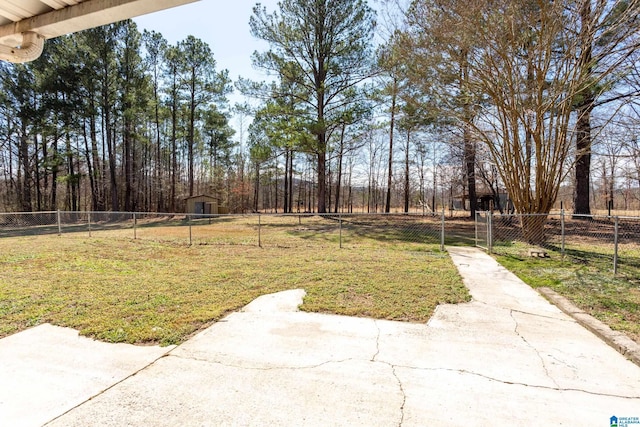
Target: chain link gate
(484,231)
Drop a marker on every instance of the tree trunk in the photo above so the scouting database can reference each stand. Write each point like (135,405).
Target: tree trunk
(533,229)
(406,173)
(583,125)
(158,169)
(45,177)
(285,207)
(54,170)
(320,77)
(92,178)
(275,182)
(191,141)
(470,163)
(349,195)
(256,191)
(112,165)
(174,151)
(290,181)
(72,178)
(37,175)
(339,172)
(98,197)
(581,204)
(322,163)
(387,206)
(469,146)
(329,176)
(128,166)
(25,191)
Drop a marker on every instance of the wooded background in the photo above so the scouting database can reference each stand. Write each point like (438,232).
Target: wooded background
(417,107)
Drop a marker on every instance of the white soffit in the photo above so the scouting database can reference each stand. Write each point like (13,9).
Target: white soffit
(53,18)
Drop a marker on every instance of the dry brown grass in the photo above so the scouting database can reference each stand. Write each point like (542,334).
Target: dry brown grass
(158,289)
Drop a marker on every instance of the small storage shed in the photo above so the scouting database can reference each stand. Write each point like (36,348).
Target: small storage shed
(485,201)
(202,205)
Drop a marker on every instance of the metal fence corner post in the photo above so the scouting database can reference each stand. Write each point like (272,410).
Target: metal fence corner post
(59,223)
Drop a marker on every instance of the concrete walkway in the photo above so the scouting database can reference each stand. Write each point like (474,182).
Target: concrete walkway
(508,357)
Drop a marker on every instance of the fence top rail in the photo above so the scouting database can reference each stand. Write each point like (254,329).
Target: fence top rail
(181,214)
(513,214)
(621,217)
(29,213)
(311,214)
(556,214)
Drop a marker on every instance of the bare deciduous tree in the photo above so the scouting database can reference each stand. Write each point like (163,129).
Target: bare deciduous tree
(523,69)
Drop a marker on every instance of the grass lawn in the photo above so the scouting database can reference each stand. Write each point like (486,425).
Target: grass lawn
(154,291)
(585,277)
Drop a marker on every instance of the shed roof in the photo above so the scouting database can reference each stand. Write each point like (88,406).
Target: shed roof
(198,196)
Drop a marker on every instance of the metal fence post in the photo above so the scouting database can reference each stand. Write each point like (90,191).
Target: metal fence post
(615,247)
(59,223)
(190,236)
(476,227)
(562,232)
(259,231)
(340,222)
(490,232)
(135,228)
(89,222)
(442,231)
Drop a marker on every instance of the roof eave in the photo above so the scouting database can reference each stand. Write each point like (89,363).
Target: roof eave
(82,16)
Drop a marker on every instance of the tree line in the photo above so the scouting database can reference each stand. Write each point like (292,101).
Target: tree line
(419,106)
(522,93)
(113,119)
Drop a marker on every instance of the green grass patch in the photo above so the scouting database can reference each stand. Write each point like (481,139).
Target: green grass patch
(146,291)
(584,276)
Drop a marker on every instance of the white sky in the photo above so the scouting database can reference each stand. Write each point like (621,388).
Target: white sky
(223,25)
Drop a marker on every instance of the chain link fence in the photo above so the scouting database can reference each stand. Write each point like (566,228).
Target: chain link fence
(269,230)
(607,242)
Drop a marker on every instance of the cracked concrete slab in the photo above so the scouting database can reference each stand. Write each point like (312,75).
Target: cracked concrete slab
(264,340)
(48,370)
(462,398)
(202,393)
(508,356)
(617,340)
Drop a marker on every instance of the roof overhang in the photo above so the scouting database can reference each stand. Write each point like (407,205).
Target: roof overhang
(25,24)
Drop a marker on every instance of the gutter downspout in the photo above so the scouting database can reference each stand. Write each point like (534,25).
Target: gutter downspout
(29,50)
